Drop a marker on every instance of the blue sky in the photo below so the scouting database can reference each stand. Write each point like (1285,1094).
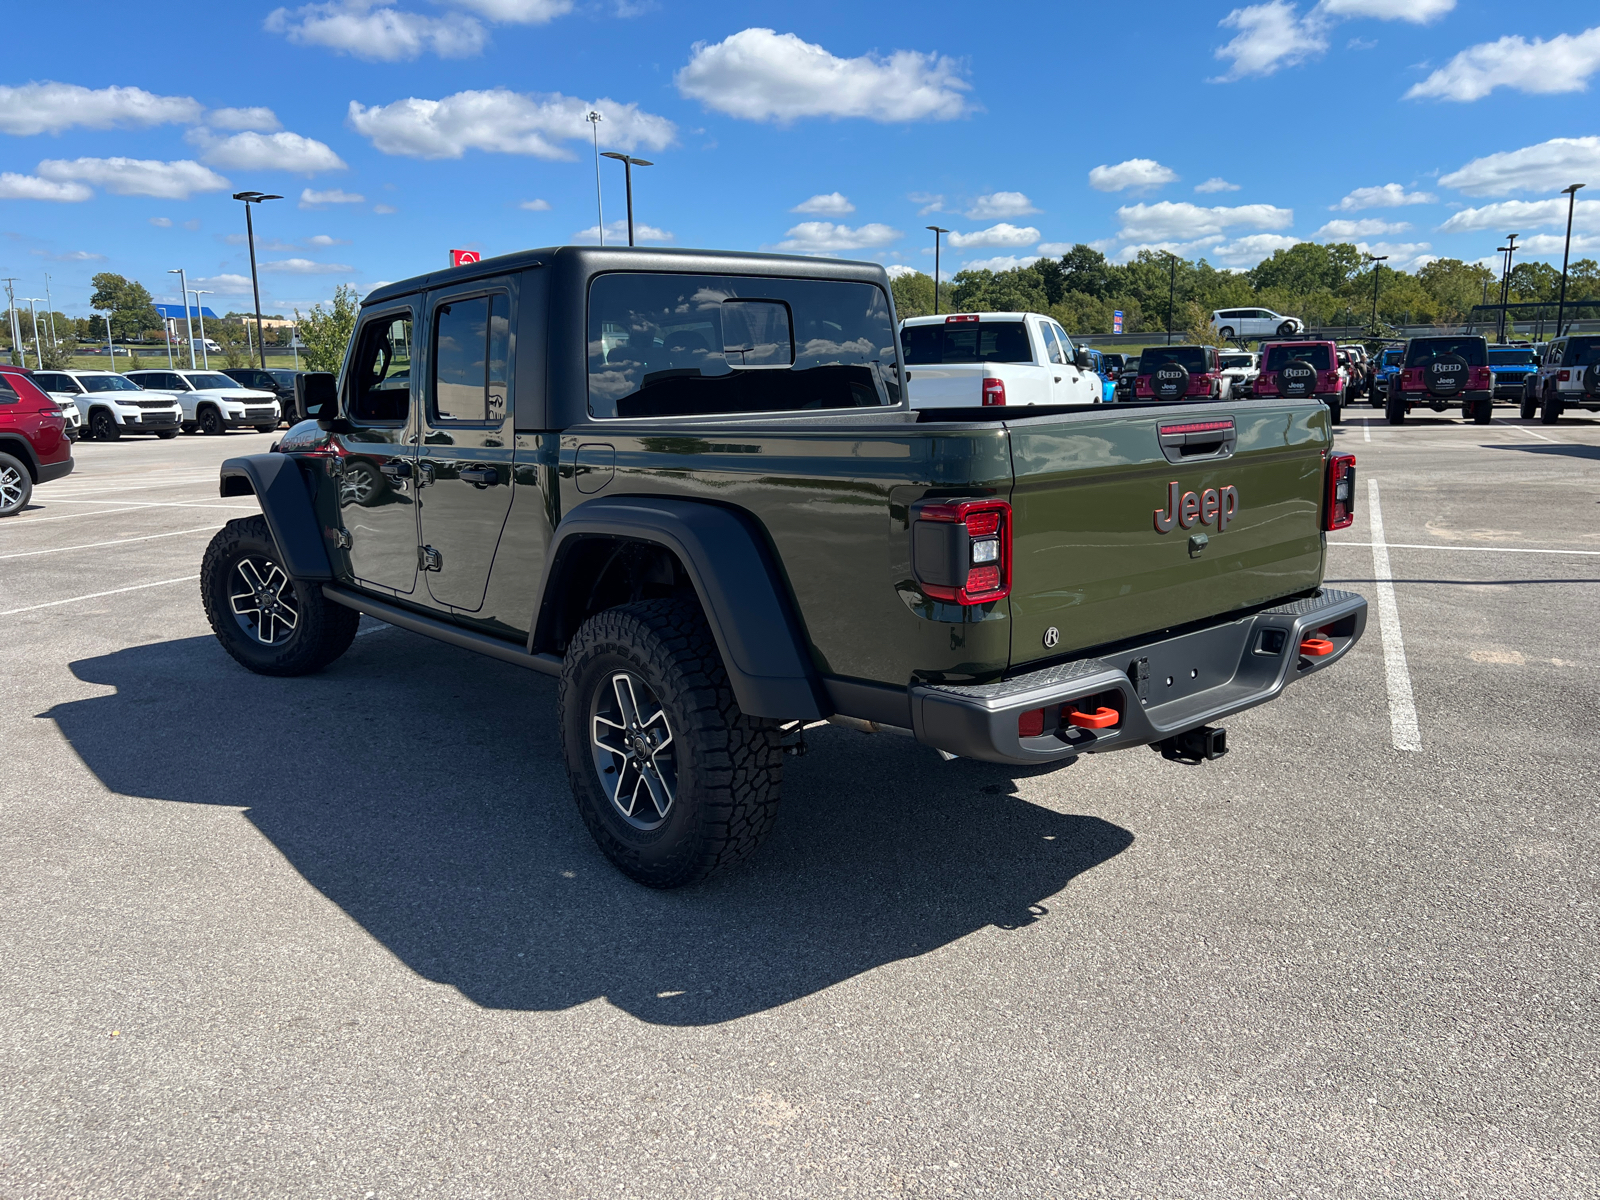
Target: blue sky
(399,130)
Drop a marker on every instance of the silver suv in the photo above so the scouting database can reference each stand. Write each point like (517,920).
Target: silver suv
(1569,376)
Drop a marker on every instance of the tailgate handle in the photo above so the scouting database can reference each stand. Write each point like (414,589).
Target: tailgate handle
(1190,440)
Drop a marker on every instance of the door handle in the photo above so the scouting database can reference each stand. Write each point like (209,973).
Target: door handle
(1058,379)
(396,469)
(479,476)
(424,473)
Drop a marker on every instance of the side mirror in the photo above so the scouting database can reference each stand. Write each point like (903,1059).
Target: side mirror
(339,425)
(1082,360)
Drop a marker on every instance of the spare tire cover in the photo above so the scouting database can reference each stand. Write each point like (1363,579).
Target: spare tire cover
(1297,378)
(1170,381)
(1591,380)
(1445,375)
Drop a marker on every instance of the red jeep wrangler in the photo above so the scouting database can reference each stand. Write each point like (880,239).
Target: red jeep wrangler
(1301,369)
(1441,371)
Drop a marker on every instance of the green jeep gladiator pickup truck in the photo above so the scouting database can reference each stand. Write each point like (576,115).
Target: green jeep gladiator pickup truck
(689,484)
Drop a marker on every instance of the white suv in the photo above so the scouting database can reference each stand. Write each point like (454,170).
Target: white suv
(110,405)
(212,402)
(1241,368)
(1569,377)
(1254,322)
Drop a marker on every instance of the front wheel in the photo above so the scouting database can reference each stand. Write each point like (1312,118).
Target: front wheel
(266,428)
(673,781)
(103,427)
(1530,406)
(211,422)
(16,485)
(1550,411)
(1286,329)
(166,435)
(270,622)
(1395,409)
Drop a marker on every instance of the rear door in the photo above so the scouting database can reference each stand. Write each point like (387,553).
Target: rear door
(464,463)
(1099,551)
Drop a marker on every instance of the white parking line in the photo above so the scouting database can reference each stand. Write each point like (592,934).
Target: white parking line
(1471,549)
(14,523)
(1402,708)
(11,612)
(149,537)
(1524,429)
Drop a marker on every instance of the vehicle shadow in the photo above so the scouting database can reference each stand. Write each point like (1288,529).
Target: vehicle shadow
(421,789)
(1567,449)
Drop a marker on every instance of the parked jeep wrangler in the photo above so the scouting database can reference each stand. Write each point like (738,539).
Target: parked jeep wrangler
(1442,371)
(689,485)
(1568,377)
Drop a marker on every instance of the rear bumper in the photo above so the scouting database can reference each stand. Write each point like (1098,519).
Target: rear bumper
(1447,401)
(1511,389)
(1165,687)
(55,470)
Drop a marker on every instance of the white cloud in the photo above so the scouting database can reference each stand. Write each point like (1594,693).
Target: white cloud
(1271,36)
(262,120)
(1344,231)
(161,222)
(1563,64)
(383,34)
(70,256)
(384,210)
(1523,214)
(53,107)
(929,202)
(304,266)
(1000,204)
(1002,262)
(1137,173)
(1180,221)
(617,234)
(1244,253)
(1216,184)
(225,285)
(1418,12)
(322,241)
(1542,245)
(1053,249)
(31,187)
(136,176)
(1401,255)
(311,199)
(504,122)
(1002,234)
(267,152)
(900,271)
(830,203)
(518,12)
(762,75)
(824,237)
(1390,195)
(1547,167)
(535,206)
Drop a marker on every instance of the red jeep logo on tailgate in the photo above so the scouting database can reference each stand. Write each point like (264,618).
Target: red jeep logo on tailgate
(1212,505)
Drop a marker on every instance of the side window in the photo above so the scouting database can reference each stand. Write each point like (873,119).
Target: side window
(47,382)
(1052,347)
(8,394)
(471,348)
(380,373)
(1067,348)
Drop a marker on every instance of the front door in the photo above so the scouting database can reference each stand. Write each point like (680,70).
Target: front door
(464,463)
(377,457)
(1072,384)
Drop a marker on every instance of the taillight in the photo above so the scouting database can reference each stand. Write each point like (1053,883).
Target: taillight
(1479,378)
(994,393)
(961,550)
(1564,377)
(961,319)
(1340,510)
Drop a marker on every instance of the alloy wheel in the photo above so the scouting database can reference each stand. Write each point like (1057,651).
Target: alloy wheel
(263,601)
(12,489)
(631,743)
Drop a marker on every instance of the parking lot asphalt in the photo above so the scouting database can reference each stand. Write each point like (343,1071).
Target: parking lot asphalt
(345,935)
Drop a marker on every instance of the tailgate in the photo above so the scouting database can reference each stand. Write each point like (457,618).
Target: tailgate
(951,385)
(1092,492)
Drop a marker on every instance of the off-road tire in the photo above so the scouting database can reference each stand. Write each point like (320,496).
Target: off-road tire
(1335,408)
(103,427)
(166,435)
(727,765)
(16,485)
(1394,408)
(1550,410)
(324,630)
(1530,407)
(211,422)
(1482,412)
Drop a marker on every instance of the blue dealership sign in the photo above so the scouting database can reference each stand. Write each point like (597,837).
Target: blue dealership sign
(1116,321)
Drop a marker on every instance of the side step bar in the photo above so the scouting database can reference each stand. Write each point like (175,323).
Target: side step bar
(466,639)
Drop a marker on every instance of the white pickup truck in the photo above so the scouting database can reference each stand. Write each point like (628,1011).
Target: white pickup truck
(985,360)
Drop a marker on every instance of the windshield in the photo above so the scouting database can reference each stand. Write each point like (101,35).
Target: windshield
(1317,356)
(201,381)
(1513,358)
(1474,350)
(108,383)
(1582,352)
(1190,358)
(970,342)
(1237,360)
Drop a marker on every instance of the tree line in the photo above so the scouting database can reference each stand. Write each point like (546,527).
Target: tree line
(1323,284)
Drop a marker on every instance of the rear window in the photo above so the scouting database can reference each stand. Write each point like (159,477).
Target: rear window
(1393,358)
(1236,360)
(1513,358)
(1190,358)
(1582,352)
(970,342)
(1316,355)
(1473,350)
(692,345)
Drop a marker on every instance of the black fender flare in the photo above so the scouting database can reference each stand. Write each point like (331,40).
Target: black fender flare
(277,484)
(744,595)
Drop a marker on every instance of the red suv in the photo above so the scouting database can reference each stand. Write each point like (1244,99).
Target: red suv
(1180,373)
(1301,370)
(33,439)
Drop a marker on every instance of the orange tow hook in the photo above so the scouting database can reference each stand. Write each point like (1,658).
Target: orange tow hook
(1316,647)
(1101,718)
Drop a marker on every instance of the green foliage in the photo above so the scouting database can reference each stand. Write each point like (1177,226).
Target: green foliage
(1308,267)
(135,363)
(913,295)
(230,337)
(326,332)
(1018,290)
(1454,286)
(129,304)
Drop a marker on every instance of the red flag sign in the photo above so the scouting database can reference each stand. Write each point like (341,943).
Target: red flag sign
(460,257)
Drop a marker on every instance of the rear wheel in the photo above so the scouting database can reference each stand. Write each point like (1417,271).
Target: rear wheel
(103,426)
(1394,408)
(270,622)
(1226,332)
(672,780)
(16,485)
(1335,407)
(1482,412)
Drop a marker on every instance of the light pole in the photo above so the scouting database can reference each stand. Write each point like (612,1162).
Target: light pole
(1377,261)
(1509,249)
(628,164)
(16,326)
(1571,193)
(49,314)
(250,198)
(936,232)
(111,346)
(188,324)
(1172,290)
(594,120)
(33,315)
(205,357)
